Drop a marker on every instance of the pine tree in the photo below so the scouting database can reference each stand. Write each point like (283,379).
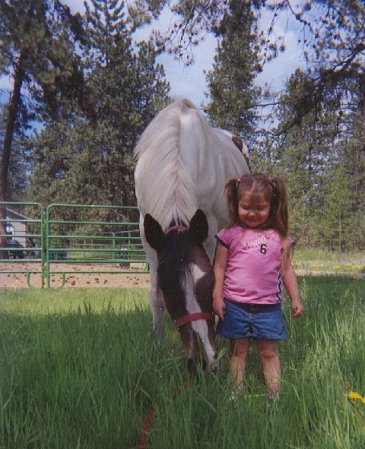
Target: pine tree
(19,159)
(94,162)
(37,55)
(232,92)
(316,156)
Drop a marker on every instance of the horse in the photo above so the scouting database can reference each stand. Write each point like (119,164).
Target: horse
(182,164)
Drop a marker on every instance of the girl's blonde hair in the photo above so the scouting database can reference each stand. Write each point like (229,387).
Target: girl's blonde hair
(274,190)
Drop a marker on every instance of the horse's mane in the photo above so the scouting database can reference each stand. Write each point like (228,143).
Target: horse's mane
(166,188)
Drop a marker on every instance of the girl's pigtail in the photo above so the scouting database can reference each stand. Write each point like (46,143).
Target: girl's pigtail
(279,205)
(230,190)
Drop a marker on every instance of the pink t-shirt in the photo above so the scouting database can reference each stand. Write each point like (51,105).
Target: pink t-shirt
(253,267)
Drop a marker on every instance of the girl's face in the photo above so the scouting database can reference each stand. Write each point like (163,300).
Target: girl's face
(253,209)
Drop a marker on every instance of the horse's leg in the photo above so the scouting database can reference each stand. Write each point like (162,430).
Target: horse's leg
(210,242)
(190,342)
(156,299)
(157,305)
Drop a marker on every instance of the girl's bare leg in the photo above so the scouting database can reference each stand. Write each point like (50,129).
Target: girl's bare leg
(269,354)
(237,361)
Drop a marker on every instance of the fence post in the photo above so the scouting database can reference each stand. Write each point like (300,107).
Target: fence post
(44,248)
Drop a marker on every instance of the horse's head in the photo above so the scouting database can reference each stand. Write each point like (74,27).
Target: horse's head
(185,277)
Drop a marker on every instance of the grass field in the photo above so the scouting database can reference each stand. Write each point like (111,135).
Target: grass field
(79,369)
(320,260)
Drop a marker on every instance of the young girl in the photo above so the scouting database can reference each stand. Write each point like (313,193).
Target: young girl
(251,264)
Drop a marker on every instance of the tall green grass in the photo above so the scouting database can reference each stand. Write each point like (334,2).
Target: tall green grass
(79,369)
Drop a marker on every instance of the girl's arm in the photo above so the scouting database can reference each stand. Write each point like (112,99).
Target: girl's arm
(291,285)
(219,268)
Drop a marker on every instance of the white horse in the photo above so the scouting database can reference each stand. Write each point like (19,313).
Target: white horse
(182,166)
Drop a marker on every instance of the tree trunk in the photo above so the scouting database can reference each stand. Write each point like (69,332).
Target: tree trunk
(5,157)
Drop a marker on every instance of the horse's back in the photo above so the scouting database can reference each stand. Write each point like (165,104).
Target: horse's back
(183,164)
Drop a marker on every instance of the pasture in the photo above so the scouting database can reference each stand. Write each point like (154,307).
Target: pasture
(79,369)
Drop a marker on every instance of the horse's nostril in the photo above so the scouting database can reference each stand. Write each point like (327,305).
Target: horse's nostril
(214,369)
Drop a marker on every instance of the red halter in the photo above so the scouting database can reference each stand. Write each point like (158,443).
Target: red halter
(176,228)
(192,317)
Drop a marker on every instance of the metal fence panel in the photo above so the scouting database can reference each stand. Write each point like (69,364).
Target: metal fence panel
(95,238)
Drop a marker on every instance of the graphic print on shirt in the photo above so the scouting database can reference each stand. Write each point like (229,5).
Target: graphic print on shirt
(262,242)
(263,248)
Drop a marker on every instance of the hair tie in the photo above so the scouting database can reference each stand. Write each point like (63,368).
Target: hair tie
(271,182)
(239,179)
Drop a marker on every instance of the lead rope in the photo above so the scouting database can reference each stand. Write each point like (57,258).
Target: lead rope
(147,421)
(142,438)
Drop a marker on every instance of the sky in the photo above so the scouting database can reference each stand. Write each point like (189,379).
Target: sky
(190,81)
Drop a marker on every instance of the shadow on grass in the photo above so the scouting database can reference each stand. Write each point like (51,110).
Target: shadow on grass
(82,378)
(80,370)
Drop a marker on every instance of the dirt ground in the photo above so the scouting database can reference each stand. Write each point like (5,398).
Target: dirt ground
(16,275)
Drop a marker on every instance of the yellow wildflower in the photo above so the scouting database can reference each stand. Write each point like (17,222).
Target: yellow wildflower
(354,396)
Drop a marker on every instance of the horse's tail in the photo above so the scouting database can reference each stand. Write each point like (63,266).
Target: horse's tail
(163,188)
(164,119)
(186,102)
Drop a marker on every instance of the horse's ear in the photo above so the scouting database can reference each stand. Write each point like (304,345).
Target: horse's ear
(198,228)
(153,232)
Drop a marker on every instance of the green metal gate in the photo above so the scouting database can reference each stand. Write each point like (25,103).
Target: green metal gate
(49,244)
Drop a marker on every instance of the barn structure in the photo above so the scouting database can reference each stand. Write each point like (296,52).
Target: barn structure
(16,226)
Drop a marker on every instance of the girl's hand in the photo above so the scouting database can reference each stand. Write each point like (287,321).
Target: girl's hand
(219,268)
(297,308)
(219,308)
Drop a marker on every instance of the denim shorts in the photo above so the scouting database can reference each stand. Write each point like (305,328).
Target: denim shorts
(261,321)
